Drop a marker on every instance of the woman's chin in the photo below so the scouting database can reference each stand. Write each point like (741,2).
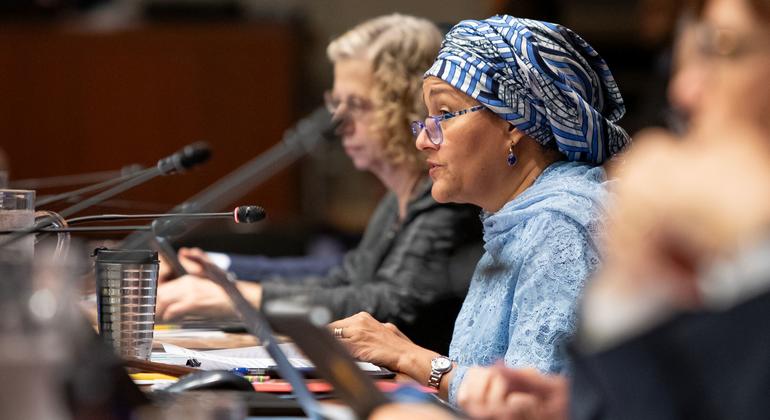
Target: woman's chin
(361,164)
(440,194)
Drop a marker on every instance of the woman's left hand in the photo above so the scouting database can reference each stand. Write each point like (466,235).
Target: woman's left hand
(372,341)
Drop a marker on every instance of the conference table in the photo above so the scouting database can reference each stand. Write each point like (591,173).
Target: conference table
(204,339)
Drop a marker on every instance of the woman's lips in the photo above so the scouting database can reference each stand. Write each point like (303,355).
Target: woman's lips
(351,148)
(433,168)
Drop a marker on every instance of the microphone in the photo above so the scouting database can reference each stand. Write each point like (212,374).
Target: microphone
(313,129)
(189,156)
(165,228)
(317,127)
(182,160)
(248,214)
(167,225)
(241,214)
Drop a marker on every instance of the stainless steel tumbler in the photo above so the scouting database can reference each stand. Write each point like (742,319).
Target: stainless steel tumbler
(127,286)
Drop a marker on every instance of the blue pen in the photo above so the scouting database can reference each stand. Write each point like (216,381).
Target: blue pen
(248,371)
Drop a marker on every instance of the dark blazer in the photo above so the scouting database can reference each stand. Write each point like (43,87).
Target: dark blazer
(705,366)
(414,273)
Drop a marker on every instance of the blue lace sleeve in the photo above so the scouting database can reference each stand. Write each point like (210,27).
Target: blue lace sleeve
(560,257)
(457,379)
(550,257)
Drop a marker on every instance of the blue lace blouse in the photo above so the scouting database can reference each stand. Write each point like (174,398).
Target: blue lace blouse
(539,250)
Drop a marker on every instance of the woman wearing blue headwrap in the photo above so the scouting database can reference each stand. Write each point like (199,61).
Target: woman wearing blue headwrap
(521,113)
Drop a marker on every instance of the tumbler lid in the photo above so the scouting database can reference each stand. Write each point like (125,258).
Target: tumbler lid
(126,256)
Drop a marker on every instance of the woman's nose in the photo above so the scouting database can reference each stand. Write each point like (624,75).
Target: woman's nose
(346,126)
(340,111)
(422,142)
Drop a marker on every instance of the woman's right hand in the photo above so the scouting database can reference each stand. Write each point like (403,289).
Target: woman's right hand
(372,341)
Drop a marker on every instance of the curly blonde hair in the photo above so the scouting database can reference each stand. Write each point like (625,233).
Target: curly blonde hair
(400,48)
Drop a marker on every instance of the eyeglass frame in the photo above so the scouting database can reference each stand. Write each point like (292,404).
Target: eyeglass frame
(355,105)
(726,42)
(418,126)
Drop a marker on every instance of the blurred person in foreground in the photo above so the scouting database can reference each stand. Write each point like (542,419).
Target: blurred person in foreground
(414,262)
(522,113)
(674,325)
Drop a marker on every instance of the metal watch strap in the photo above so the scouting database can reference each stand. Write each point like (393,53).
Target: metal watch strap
(435,379)
(436,373)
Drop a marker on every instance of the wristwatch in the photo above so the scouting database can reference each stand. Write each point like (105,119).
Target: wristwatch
(439,366)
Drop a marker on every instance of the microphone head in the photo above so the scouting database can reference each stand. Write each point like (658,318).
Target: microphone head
(311,130)
(189,156)
(248,214)
(321,121)
(332,131)
(194,154)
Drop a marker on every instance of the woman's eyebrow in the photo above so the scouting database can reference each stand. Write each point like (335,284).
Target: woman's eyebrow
(440,89)
(433,92)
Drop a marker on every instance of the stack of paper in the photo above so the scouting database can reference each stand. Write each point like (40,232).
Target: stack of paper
(244,357)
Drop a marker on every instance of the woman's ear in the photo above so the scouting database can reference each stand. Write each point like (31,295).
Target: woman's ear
(514,134)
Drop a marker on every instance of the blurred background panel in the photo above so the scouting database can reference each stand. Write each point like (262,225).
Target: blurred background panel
(77,99)
(92,85)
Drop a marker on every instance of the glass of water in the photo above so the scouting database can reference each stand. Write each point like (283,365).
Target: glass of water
(17,212)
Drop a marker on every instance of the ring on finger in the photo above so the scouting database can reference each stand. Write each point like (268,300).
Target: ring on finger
(338,333)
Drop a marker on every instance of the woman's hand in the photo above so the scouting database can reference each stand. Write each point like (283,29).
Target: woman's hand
(192,295)
(372,341)
(199,295)
(166,272)
(499,392)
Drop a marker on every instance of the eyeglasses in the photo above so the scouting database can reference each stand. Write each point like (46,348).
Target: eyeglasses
(723,42)
(432,126)
(354,105)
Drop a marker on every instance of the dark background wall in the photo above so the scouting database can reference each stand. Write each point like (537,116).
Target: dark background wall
(76,100)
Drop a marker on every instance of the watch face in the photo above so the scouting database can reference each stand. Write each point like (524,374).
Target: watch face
(441,364)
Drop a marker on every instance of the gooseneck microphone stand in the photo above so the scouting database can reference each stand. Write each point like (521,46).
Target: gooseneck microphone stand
(90,188)
(241,214)
(180,161)
(76,179)
(296,142)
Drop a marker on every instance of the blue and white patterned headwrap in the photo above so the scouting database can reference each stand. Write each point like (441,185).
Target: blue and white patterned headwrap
(542,78)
